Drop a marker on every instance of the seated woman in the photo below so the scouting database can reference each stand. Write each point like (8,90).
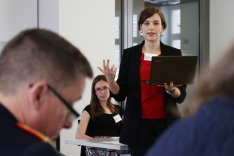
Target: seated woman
(102,118)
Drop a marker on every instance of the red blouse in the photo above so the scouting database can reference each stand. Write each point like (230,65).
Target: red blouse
(152,96)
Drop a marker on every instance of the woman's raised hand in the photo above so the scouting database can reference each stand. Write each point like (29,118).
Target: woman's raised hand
(108,72)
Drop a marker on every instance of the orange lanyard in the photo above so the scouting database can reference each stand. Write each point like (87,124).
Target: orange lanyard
(34,132)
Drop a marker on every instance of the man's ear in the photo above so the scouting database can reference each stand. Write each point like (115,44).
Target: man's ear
(37,95)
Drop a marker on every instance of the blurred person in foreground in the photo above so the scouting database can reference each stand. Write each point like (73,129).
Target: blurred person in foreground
(41,77)
(209,128)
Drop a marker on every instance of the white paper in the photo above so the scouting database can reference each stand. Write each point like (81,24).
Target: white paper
(113,142)
(117,118)
(114,137)
(148,56)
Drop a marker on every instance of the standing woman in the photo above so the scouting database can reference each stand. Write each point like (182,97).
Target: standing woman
(148,108)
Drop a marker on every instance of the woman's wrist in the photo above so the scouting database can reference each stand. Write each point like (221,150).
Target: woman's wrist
(114,87)
(110,82)
(173,90)
(170,91)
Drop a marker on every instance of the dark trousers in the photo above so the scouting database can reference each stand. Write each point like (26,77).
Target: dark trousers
(148,131)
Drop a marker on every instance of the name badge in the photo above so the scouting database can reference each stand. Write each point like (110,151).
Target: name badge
(148,56)
(117,118)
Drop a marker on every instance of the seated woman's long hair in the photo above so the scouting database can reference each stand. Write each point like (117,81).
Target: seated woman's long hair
(96,108)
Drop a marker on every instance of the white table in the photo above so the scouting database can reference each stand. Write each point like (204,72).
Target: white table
(108,144)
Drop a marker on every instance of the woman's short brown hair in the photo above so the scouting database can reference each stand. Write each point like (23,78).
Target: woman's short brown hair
(148,12)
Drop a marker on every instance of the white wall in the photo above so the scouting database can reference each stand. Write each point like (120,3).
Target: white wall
(89,25)
(16,16)
(49,15)
(221,27)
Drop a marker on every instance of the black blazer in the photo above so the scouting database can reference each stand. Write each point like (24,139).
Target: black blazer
(129,84)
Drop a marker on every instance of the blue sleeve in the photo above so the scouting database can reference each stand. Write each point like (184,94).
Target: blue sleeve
(181,139)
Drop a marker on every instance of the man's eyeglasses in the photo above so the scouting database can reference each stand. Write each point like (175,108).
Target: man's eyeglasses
(101,89)
(73,114)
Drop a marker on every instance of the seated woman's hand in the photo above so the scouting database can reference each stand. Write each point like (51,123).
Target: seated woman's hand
(108,72)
